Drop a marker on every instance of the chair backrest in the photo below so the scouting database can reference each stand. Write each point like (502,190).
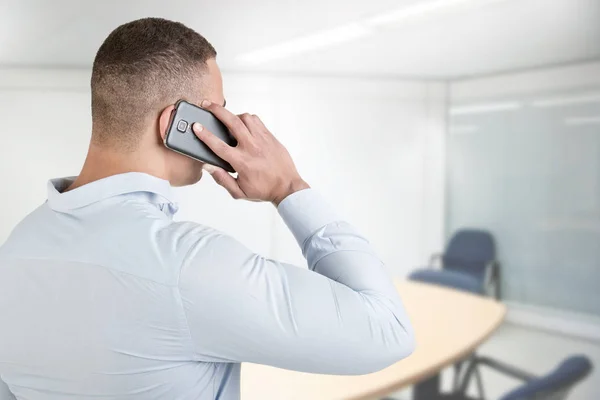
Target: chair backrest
(555,385)
(469,251)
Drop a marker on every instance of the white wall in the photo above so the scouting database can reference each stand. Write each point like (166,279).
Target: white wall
(374,148)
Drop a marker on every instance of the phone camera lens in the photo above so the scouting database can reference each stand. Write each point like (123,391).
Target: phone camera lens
(182,126)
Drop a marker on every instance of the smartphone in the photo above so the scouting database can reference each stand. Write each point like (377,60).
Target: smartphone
(181,138)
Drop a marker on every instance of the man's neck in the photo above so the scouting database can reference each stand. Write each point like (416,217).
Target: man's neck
(104,162)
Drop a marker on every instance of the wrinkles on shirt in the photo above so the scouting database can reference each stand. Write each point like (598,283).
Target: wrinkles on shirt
(104,295)
(334,237)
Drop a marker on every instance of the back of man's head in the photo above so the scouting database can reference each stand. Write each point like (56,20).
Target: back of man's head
(142,67)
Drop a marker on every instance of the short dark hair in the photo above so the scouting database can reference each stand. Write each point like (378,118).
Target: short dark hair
(142,67)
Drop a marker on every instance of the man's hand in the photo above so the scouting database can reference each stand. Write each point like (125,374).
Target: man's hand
(265,169)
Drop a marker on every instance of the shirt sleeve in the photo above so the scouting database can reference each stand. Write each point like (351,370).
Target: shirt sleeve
(342,316)
(5,394)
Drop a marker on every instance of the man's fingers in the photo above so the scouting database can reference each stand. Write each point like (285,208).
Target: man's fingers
(259,122)
(220,148)
(251,122)
(230,120)
(227,181)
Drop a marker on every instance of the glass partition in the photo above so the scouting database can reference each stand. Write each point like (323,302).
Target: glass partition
(527,168)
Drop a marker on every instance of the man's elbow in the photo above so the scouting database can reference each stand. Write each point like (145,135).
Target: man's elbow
(406,345)
(399,345)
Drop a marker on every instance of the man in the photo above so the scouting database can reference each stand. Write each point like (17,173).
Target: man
(102,295)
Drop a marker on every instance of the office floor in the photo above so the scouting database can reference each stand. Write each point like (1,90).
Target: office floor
(535,351)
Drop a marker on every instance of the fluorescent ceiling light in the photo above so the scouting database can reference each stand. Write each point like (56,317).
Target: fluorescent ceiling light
(463,129)
(306,43)
(563,101)
(578,121)
(421,9)
(350,31)
(485,108)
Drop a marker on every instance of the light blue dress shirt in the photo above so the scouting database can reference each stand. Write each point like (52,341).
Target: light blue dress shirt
(104,296)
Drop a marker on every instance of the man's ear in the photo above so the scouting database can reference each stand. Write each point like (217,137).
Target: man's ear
(163,121)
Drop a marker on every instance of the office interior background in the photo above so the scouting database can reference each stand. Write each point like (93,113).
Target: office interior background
(416,118)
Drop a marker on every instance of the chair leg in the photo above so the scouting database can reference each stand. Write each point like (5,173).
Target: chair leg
(465,377)
(479,383)
(429,389)
(457,373)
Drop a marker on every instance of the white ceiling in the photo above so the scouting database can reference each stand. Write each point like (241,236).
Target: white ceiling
(479,39)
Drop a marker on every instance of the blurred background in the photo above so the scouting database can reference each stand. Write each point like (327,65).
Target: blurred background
(418,118)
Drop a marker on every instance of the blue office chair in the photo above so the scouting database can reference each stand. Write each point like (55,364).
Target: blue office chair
(468,264)
(555,385)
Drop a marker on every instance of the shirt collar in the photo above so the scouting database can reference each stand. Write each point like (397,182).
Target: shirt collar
(132,182)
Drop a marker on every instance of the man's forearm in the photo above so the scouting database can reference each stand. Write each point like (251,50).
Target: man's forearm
(335,249)
(321,233)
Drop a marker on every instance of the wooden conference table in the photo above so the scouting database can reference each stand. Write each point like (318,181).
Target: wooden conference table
(449,325)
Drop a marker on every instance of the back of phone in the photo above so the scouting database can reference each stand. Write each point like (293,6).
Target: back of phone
(182,139)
